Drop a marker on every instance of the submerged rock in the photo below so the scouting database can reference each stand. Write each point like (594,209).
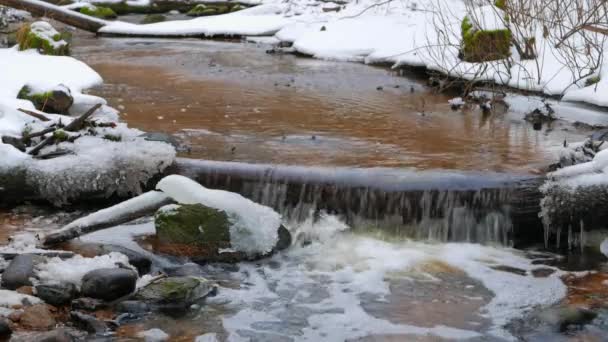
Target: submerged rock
(87,322)
(57,100)
(57,294)
(153,18)
(109,283)
(176,292)
(20,271)
(41,36)
(133,307)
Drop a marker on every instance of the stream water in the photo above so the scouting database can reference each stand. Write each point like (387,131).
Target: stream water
(341,280)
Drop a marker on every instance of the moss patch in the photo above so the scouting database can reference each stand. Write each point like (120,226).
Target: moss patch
(99,12)
(60,135)
(153,18)
(484,45)
(193,224)
(32,37)
(201,10)
(592,80)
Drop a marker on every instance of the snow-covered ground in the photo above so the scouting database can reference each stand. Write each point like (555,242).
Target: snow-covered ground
(401,33)
(95,165)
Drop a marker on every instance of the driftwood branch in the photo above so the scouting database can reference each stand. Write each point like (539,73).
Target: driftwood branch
(39,133)
(140,206)
(75,125)
(34,114)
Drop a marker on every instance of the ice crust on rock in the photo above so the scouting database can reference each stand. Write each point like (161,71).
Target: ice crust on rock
(253,226)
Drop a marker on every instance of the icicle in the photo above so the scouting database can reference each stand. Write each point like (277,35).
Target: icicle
(559,237)
(570,237)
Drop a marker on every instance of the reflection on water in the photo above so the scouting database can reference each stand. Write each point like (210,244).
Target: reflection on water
(231,101)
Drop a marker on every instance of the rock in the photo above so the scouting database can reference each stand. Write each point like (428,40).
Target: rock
(57,294)
(57,100)
(153,18)
(15,142)
(26,290)
(88,323)
(480,45)
(176,292)
(98,12)
(567,318)
(19,271)
(108,283)
(5,330)
(87,304)
(133,306)
(203,234)
(37,317)
(41,36)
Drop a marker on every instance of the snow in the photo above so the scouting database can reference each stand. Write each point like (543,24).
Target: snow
(591,173)
(256,21)
(153,335)
(45,31)
(253,226)
(57,270)
(11,298)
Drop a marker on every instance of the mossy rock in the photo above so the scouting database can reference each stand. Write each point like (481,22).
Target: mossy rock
(201,10)
(176,292)
(592,80)
(99,12)
(202,234)
(153,18)
(43,37)
(193,224)
(58,100)
(237,7)
(484,45)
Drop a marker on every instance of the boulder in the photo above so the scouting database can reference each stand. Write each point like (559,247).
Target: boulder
(203,234)
(20,271)
(37,317)
(176,292)
(57,294)
(108,283)
(41,36)
(57,100)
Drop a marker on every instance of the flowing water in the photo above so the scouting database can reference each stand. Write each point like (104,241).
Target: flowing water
(440,269)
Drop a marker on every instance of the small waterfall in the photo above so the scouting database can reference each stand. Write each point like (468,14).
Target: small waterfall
(437,206)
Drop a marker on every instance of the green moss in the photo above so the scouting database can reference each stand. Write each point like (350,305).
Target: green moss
(38,99)
(502,4)
(112,137)
(193,224)
(30,40)
(237,7)
(201,10)
(99,12)
(153,18)
(592,80)
(60,135)
(484,45)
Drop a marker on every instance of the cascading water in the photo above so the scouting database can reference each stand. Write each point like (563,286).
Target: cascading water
(436,206)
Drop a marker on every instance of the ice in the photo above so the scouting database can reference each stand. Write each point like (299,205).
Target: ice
(153,335)
(100,167)
(208,337)
(253,226)
(57,270)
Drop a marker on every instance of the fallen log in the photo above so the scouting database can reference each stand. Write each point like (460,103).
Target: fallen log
(44,9)
(142,205)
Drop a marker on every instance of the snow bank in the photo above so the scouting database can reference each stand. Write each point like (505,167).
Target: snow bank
(256,21)
(12,298)
(57,270)
(254,226)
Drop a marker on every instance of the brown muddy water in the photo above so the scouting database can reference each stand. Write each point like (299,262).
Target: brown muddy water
(233,101)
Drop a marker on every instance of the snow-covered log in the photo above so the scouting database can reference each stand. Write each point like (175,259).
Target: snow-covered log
(44,9)
(142,205)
